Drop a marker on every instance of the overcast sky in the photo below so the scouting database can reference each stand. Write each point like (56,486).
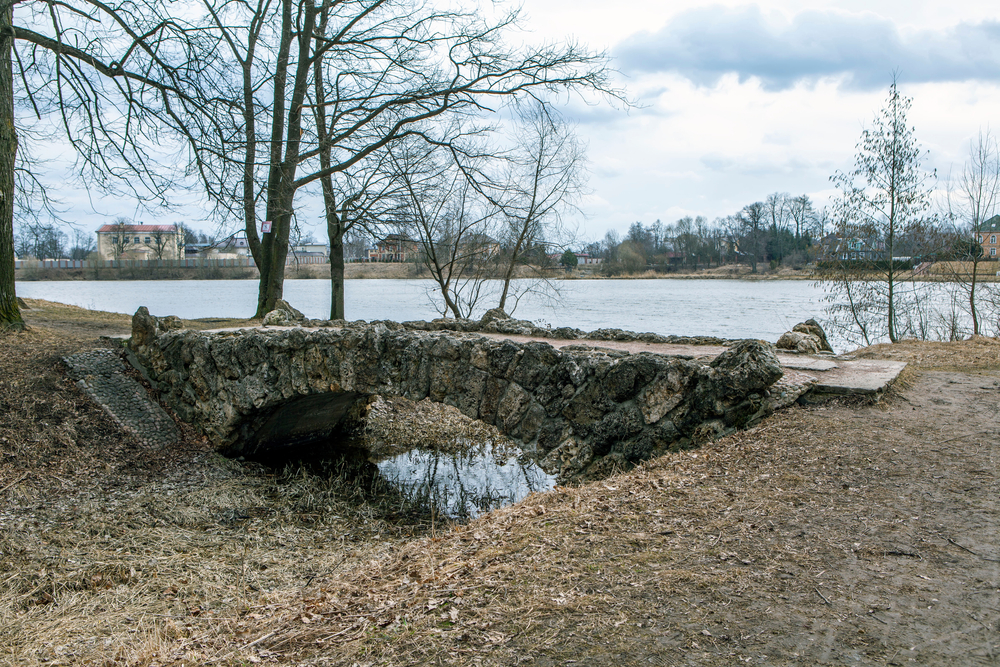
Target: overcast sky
(736,100)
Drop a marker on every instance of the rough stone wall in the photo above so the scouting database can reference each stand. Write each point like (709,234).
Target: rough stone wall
(500,323)
(579,410)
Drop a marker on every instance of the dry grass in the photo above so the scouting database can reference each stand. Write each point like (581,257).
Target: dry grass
(82,325)
(976,354)
(829,534)
(112,554)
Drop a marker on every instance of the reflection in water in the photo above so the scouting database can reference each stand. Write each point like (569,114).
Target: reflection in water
(466,483)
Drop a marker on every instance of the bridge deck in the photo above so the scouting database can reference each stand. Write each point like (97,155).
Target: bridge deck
(829,375)
(833,375)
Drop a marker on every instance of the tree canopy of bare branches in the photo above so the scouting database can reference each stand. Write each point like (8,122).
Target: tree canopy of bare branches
(545,176)
(109,77)
(441,211)
(324,87)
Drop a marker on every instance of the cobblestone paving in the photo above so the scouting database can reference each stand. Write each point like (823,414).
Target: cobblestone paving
(101,373)
(789,387)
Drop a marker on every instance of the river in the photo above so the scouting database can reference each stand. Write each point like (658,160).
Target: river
(724,308)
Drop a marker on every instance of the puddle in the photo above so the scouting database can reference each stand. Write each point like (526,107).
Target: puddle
(466,483)
(421,458)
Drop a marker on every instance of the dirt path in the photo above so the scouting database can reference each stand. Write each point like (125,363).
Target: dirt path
(844,534)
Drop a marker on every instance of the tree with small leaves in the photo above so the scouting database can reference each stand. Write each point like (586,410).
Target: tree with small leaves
(883,203)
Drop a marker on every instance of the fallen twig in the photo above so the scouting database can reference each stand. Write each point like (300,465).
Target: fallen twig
(991,560)
(821,595)
(244,647)
(963,437)
(872,614)
(15,482)
(899,552)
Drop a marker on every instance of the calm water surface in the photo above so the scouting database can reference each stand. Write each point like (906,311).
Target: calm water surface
(725,308)
(466,484)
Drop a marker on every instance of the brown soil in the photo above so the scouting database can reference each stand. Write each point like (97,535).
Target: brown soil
(846,533)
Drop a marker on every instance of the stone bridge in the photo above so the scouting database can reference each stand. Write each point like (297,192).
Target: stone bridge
(578,409)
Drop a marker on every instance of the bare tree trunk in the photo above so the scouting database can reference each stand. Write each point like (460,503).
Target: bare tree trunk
(334,222)
(509,270)
(890,249)
(10,313)
(281,181)
(335,231)
(972,297)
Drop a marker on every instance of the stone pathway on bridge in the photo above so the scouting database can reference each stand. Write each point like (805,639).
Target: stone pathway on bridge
(101,374)
(819,377)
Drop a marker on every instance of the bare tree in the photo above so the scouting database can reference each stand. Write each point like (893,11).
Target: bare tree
(121,239)
(545,177)
(361,199)
(753,217)
(971,204)
(441,210)
(802,213)
(324,87)
(882,201)
(778,209)
(161,242)
(84,244)
(10,313)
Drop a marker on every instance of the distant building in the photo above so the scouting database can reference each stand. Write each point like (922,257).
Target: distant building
(231,247)
(582,258)
(311,250)
(394,248)
(834,247)
(988,235)
(140,241)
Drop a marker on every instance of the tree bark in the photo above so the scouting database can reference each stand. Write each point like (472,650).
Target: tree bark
(281,180)
(972,296)
(335,230)
(10,313)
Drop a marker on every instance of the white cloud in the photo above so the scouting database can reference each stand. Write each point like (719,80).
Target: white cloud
(707,43)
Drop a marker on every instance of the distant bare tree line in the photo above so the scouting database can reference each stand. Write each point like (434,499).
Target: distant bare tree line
(780,230)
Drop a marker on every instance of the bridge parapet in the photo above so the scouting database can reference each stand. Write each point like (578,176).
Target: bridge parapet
(577,409)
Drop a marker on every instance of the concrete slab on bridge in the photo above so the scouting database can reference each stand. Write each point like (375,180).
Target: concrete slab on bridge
(833,376)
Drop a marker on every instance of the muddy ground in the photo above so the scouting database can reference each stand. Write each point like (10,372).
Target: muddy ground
(849,534)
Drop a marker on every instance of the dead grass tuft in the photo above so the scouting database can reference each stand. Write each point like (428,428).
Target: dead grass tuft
(970,355)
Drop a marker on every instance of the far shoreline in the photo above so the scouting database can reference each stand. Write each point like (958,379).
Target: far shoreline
(393,271)
(411,271)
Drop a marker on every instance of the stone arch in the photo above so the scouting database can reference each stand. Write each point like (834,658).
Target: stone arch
(573,407)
